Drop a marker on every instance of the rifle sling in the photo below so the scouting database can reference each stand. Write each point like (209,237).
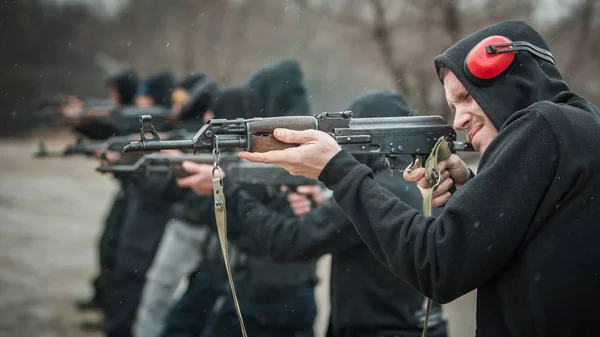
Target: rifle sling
(221,220)
(440,152)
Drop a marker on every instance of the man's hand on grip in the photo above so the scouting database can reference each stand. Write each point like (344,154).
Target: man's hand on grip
(453,171)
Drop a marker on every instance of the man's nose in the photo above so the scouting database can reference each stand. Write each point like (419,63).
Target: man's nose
(461,120)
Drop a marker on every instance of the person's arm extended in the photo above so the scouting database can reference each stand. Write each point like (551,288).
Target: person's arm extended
(480,227)
(287,238)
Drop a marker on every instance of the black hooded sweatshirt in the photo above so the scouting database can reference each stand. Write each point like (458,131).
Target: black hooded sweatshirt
(524,230)
(192,80)
(274,90)
(159,86)
(200,101)
(126,83)
(365,296)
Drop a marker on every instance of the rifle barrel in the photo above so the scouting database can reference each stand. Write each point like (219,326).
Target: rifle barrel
(154,145)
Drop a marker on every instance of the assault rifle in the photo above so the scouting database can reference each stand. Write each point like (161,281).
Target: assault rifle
(389,136)
(233,167)
(89,148)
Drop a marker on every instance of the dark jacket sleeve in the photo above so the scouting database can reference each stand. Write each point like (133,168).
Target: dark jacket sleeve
(287,238)
(479,228)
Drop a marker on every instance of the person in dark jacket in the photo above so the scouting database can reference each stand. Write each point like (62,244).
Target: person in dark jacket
(276,299)
(148,210)
(523,231)
(156,90)
(366,299)
(183,91)
(121,88)
(184,243)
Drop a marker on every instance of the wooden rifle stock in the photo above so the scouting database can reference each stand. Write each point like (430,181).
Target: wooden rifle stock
(261,131)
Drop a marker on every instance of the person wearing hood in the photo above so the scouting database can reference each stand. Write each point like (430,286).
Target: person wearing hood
(184,242)
(156,90)
(276,299)
(276,90)
(121,88)
(197,110)
(147,212)
(366,299)
(523,231)
(183,91)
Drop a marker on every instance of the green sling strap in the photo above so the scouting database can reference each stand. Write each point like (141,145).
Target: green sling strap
(441,151)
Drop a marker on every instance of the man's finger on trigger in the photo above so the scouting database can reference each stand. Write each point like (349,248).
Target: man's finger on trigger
(414,175)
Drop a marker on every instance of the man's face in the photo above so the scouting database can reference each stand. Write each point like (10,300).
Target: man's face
(179,97)
(468,115)
(113,94)
(144,101)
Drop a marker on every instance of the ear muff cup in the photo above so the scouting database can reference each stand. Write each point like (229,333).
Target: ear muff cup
(484,68)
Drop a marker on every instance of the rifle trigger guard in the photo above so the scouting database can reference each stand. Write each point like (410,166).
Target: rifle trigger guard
(148,129)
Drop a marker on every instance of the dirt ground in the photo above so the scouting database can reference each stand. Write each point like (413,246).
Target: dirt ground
(51,211)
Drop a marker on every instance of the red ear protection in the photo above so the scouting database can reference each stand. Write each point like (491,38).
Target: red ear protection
(494,57)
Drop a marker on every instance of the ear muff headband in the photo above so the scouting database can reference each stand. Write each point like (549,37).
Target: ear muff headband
(494,57)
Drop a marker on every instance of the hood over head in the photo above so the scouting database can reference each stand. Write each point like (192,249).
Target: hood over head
(193,79)
(200,100)
(277,90)
(529,79)
(159,86)
(125,83)
(229,103)
(380,103)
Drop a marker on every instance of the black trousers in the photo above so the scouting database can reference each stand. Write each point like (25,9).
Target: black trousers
(291,315)
(144,225)
(108,243)
(439,330)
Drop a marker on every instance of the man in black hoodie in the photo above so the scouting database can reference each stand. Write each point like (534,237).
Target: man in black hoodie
(156,90)
(146,216)
(121,88)
(366,299)
(524,230)
(183,92)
